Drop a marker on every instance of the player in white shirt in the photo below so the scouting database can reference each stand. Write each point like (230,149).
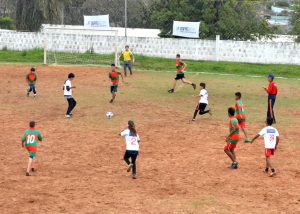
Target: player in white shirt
(203,102)
(68,94)
(271,138)
(132,147)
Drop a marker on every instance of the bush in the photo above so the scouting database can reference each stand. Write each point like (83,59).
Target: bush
(6,23)
(282,4)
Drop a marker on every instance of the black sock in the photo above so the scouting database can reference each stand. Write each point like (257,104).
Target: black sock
(267,169)
(273,170)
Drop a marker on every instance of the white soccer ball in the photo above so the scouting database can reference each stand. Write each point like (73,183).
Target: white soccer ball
(109,115)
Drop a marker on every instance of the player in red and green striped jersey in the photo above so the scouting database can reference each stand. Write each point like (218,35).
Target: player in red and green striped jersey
(240,114)
(233,138)
(31,79)
(114,76)
(31,138)
(181,66)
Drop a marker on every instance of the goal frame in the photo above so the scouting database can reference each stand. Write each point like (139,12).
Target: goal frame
(60,30)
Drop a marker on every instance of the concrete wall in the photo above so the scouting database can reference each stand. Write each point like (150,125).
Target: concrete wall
(219,50)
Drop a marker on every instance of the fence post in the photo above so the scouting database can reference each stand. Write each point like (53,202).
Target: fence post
(217,48)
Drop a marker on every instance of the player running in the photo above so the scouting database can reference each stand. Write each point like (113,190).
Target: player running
(272,91)
(68,94)
(241,115)
(132,147)
(30,138)
(271,137)
(233,138)
(203,102)
(31,80)
(114,75)
(181,66)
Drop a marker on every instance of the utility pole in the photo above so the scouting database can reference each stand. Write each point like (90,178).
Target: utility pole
(126,20)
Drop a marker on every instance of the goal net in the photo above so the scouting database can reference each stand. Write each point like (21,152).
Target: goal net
(80,46)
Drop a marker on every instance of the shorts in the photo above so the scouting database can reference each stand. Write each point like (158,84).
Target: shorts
(242,124)
(269,152)
(201,106)
(113,88)
(179,76)
(230,146)
(31,151)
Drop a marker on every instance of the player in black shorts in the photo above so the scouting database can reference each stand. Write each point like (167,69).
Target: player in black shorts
(181,66)
(203,102)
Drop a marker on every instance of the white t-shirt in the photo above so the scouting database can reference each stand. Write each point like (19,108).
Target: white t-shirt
(66,92)
(203,96)
(269,133)
(132,142)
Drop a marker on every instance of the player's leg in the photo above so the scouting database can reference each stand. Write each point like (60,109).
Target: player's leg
(273,99)
(133,161)
(74,103)
(130,67)
(29,90)
(186,81)
(125,68)
(70,103)
(30,160)
(196,112)
(174,85)
(34,90)
(202,107)
(126,159)
(269,153)
(113,93)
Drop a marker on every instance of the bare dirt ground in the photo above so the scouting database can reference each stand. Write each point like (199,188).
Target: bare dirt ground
(181,167)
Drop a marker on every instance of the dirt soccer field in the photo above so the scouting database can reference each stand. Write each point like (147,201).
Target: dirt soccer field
(181,167)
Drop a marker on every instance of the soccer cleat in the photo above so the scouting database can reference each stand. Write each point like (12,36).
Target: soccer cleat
(247,140)
(234,165)
(266,170)
(193,119)
(129,168)
(67,116)
(171,91)
(27,94)
(33,169)
(111,101)
(34,95)
(28,174)
(194,86)
(134,176)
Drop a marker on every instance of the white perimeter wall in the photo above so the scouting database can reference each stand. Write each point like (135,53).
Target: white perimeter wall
(195,49)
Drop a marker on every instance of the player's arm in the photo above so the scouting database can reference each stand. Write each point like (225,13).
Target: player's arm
(121,76)
(235,127)
(120,55)
(277,141)
(23,139)
(27,78)
(256,136)
(184,66)
(40,137)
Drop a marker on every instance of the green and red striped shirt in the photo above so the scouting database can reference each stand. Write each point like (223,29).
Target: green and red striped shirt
(31,138)
(115,77)
(240,111)
(31,77)
(233,124)
(179,66)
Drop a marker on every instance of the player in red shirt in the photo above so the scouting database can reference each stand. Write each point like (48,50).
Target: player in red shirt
(272,91)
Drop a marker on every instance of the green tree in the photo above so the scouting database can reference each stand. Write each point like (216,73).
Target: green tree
(231,19)
(6,23)
(295,21)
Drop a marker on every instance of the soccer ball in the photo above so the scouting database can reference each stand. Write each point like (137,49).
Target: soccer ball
(109,115)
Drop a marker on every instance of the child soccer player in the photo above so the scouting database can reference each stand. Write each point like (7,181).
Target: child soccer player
(68,94)
(271,137)
(181,66)
(31,138)
(240,114)
(114,75)
(132,147)
(203,102)
(233,138)
(31,79)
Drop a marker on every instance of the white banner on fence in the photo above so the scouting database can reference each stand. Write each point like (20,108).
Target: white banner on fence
(186,29)
(96,21)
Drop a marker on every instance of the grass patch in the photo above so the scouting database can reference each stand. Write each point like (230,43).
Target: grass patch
(35,56)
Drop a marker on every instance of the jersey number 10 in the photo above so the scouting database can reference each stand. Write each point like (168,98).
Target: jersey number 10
(30,139)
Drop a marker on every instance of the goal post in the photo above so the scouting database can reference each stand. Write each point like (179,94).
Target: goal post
(79,46)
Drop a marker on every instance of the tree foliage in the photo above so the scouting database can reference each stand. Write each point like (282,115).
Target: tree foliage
(6,23)
(231,19)
(295,21)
